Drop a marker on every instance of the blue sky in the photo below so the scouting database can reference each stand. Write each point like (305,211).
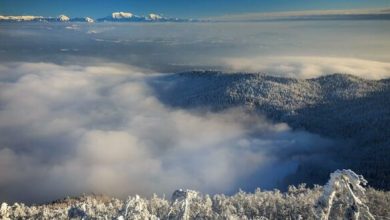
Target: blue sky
(176,8)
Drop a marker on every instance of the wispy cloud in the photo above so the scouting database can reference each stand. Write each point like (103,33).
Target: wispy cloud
(310,66)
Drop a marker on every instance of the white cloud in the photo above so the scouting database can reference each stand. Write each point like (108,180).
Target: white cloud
(98,128)
(310,66)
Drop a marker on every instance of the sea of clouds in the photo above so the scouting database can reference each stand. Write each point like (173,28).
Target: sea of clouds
(77,114)
(303,49)
(310,66)
(68,130)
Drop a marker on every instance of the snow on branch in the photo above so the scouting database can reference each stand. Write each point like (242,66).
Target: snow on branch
(343,197)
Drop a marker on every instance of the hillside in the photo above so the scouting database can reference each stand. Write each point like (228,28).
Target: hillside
(338,106)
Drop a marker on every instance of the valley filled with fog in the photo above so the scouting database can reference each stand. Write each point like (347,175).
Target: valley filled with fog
(140,108)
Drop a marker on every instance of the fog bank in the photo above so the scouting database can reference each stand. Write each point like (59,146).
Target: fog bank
(68,130)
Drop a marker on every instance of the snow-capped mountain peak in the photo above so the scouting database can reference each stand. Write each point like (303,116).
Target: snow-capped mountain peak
(63,18)
(121,15)
(19,18)
(89,20)
(154,16)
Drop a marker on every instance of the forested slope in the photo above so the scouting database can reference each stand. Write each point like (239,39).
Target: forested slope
(338,106)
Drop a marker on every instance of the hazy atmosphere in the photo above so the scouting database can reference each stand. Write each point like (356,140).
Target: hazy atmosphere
(213,102)
(294,48)
(83,109)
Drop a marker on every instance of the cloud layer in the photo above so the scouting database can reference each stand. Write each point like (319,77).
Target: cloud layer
(75,117)
(310,66)
(354,14)
(304,48)
(67,130)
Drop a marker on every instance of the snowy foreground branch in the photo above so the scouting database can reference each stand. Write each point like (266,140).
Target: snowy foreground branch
(347,187)
(343,197)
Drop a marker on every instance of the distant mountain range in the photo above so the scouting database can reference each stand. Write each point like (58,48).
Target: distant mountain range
(114,17)
(357,14)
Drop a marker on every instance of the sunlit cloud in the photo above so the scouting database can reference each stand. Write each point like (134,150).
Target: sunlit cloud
(310,66)
(67,130)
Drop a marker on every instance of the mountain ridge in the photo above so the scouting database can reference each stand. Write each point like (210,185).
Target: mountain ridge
(337,106)
(114,17)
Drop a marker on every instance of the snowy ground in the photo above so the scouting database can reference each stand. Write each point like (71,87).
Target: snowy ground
(344,197)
